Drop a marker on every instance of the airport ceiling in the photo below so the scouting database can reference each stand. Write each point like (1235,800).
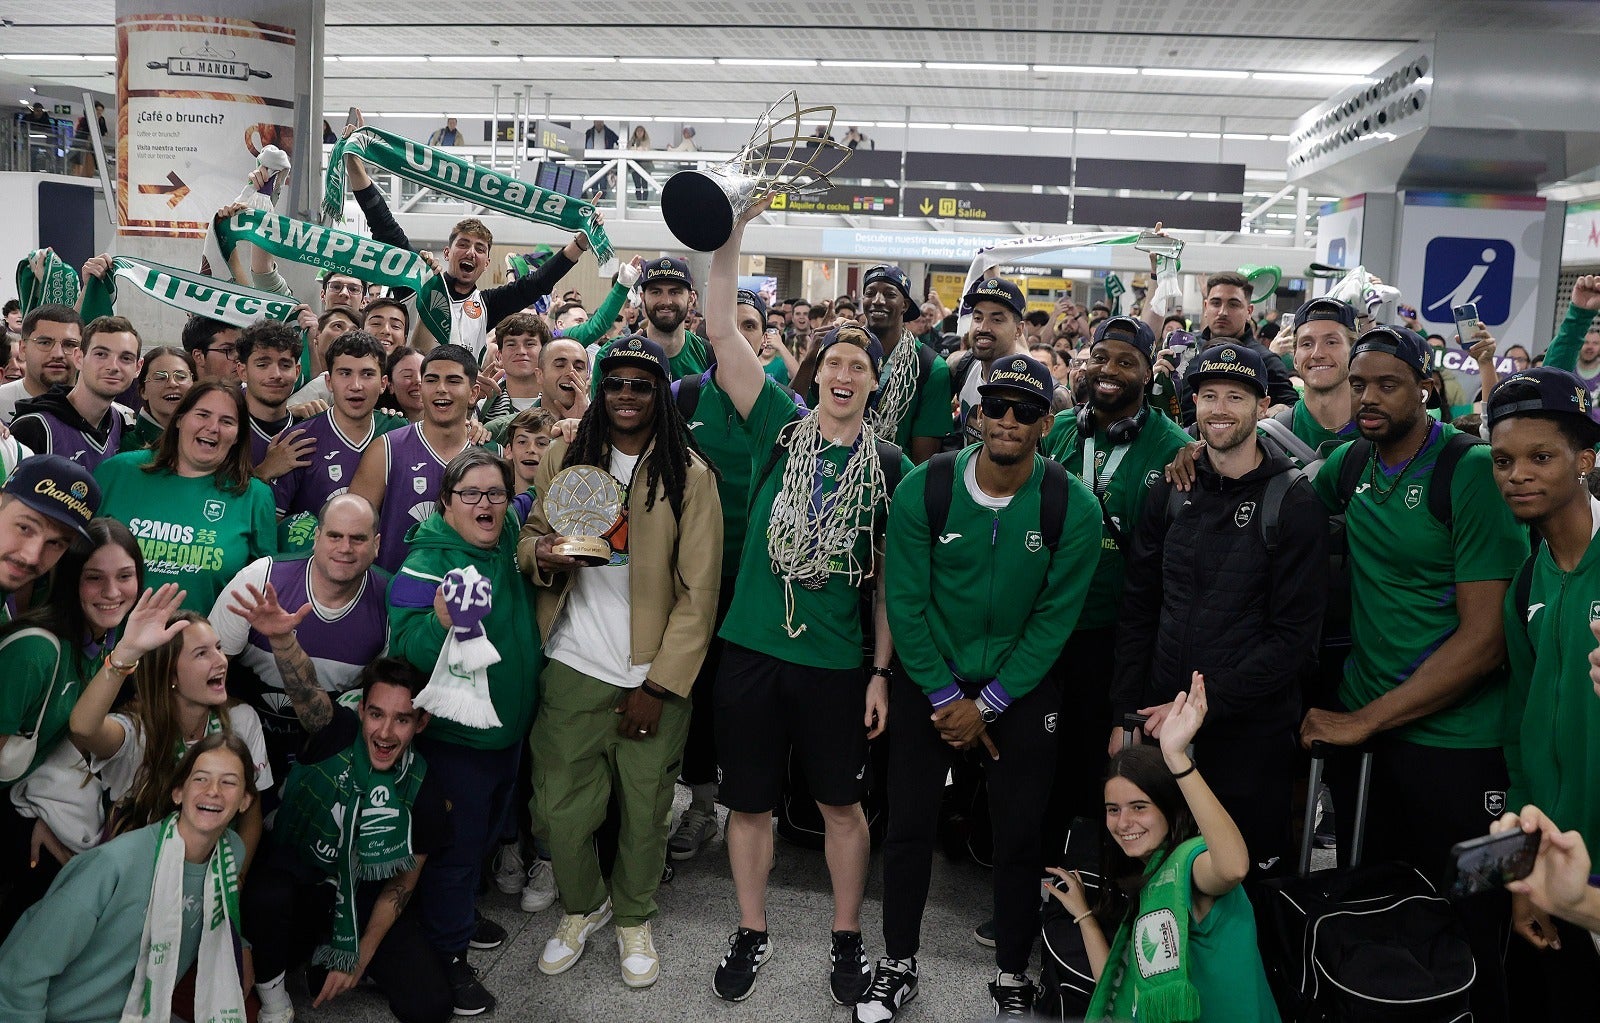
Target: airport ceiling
(1246,67)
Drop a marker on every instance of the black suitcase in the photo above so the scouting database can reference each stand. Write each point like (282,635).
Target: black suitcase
(1373,943)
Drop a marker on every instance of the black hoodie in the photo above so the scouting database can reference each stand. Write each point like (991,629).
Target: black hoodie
(30,428)
(1203,594)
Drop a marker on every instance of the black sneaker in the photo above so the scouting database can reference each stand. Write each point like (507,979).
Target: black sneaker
(893,985)
(736,974)
(469,997)
(851,974)
(487,934)
(1012,999)
(984,933)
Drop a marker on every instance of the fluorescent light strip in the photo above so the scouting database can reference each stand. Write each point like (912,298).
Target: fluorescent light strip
(543,59)
(1091,131)
(1235,136)
(1311,77)
(1076,69)
(929,125)
(46,56)
(669,61)
(947,65)
(890,64)
(1150,133)
(382,59)
(989,127)
(1205,135)
(764,62)
(1184,72)
(1045,130)
(462,59)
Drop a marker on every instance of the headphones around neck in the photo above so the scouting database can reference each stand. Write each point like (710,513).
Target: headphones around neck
(1123,431)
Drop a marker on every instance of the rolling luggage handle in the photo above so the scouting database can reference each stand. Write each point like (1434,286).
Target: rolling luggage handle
(1319,755)
(1130,724)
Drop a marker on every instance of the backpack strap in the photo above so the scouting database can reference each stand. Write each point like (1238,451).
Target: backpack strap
(1444,472)
(1522,587)
(1278,432)
(785,436)
(926,357)
(1278,488)
(1055,489)
(687,392)
(1355,460)
(889,455)
(1283,414)
(938,490)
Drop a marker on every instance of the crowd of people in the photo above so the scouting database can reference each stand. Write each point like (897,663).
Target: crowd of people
(294,621)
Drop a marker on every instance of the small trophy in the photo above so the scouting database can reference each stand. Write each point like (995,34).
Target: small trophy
(583,504)
(1159,244)
(700,206)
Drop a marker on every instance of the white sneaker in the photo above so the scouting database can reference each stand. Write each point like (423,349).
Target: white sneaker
(572,934)
(539,890)
(508,869)
(281,1016)
(695,828)
(637,950)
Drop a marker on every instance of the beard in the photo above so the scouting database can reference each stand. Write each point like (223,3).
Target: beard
(667,318)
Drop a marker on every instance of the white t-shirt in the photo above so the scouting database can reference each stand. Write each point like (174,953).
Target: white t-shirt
(970,478)
(124,763)
(594,634)
(10,394)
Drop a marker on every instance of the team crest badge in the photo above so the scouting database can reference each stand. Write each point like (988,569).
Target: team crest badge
(1152,477)
(336,472)
(1594,611)
(1243,514)
(419,484)
(1033,541)
(1494,803)
(472,308)
(1413,495)
(214,510)
(1050,723)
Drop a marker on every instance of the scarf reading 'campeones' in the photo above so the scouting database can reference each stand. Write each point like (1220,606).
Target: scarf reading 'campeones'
(353,823)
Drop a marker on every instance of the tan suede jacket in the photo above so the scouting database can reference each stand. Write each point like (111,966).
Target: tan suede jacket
(676,570)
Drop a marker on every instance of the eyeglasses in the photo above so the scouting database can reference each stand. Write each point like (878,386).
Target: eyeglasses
(636,385)
(473,496)
(1026,412)
(346,289)
(178,376)
(229,352)
(50,344)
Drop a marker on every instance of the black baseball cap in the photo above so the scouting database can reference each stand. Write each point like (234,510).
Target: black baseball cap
(1342,313)
(751,299)
(1019,374)
(1542,389)
(1129,330)
(1403,343)
(56,487)
(996,289)
(853,335)
(1235,362)
(636,350)
(898,277)
(666,270)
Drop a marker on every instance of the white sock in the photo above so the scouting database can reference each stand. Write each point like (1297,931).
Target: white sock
(1005,979)
(703,796)
(274,995)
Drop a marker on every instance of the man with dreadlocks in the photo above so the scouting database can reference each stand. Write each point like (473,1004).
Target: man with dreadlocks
(616,699)
(792,671)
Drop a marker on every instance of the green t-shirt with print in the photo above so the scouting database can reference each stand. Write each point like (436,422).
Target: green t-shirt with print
(191,531)
(828,621)
(1405,566)
(36,672)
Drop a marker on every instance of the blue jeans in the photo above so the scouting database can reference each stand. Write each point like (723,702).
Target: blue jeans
(479,783)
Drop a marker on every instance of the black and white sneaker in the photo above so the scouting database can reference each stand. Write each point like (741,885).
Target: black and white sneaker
(736,974)
(468,996)
(1012,994)
(894,984)
(851,974)
(487,934)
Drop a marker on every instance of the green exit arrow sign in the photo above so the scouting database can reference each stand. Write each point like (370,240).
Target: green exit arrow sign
(62,110)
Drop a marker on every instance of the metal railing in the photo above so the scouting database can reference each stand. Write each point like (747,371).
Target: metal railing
(52,149)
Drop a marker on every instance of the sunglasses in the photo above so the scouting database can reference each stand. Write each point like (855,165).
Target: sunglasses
(1026,412)
(616,385)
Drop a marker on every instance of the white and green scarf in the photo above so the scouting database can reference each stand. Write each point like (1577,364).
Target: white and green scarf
(56,284)
(217,995)
(353,823)
(1147,974)
(191,292)
(448,174)
(331,249)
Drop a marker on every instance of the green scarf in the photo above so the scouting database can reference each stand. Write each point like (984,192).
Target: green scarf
(443,172)
(1161,991)
(354,824)
(331,249)
(59,287)
(186,290)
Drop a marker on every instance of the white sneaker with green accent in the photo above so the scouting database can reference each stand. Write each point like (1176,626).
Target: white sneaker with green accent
(572,934)
(637,950)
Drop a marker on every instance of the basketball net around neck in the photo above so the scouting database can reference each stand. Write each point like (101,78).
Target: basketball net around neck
(899,386)
(806,537)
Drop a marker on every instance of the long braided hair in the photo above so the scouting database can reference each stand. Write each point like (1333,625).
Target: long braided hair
(667,462)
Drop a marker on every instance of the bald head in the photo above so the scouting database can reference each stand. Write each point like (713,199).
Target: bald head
(347,540)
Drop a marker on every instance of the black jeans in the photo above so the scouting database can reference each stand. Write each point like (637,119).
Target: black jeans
(1019,787)
(287,910)
(1082,677)
(1253,778)
(700,750)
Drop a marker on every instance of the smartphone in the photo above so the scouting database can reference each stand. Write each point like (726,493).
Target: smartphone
(1487,863)
(1467,322)
(353,117)
(1180,339)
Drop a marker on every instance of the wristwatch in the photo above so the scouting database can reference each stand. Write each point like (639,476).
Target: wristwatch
(988,713)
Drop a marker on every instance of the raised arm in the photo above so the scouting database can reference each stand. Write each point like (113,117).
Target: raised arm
(91,727)
(261,609)
(1222,867)
(738,372)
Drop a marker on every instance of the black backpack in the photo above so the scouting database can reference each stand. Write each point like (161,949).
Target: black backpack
(686,392)
(1053,491)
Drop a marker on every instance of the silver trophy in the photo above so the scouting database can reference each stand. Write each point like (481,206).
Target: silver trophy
(584,505)
(700,206)
(1159,244)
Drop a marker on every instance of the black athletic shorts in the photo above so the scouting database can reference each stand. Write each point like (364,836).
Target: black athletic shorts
(764,706)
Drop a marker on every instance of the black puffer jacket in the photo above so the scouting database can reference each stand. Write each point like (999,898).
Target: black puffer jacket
(1202,594)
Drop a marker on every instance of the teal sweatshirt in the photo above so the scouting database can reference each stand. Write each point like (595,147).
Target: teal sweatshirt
(1552,717)
(986,600)
(72,956)
(417,635)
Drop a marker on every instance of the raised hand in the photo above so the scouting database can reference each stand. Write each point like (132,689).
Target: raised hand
(146,628)
(1183,720)
(261,609)
(1586,292)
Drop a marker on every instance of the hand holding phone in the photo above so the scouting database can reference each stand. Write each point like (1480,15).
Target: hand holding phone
(1491,862)
(1467,322)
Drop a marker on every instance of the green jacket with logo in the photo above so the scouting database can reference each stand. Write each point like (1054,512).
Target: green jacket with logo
(986,599)
(1552,730)
(1141,467)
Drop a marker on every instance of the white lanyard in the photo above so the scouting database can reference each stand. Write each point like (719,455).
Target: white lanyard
(1100,480)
